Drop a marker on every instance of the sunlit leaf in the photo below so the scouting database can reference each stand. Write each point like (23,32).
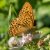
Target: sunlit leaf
(2,3)
(42,10)
(45,1)
(44,31)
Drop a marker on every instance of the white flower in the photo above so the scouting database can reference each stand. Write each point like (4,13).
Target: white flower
(12,41)
(49,43)
(48,36)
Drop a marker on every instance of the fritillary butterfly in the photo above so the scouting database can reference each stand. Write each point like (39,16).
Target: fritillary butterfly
(24,21)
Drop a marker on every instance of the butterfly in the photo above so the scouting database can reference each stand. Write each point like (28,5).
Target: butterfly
(23,22)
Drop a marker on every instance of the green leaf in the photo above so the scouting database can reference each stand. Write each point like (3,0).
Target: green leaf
(44,31)
(2,3)
(45,1)
(42,10)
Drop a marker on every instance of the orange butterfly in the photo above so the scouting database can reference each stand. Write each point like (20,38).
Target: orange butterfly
(24,21)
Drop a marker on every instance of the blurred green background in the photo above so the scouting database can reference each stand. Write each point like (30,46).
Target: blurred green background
(9,10)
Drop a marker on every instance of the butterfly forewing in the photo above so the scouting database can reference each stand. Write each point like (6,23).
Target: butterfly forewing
(27,8)
(26,21)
